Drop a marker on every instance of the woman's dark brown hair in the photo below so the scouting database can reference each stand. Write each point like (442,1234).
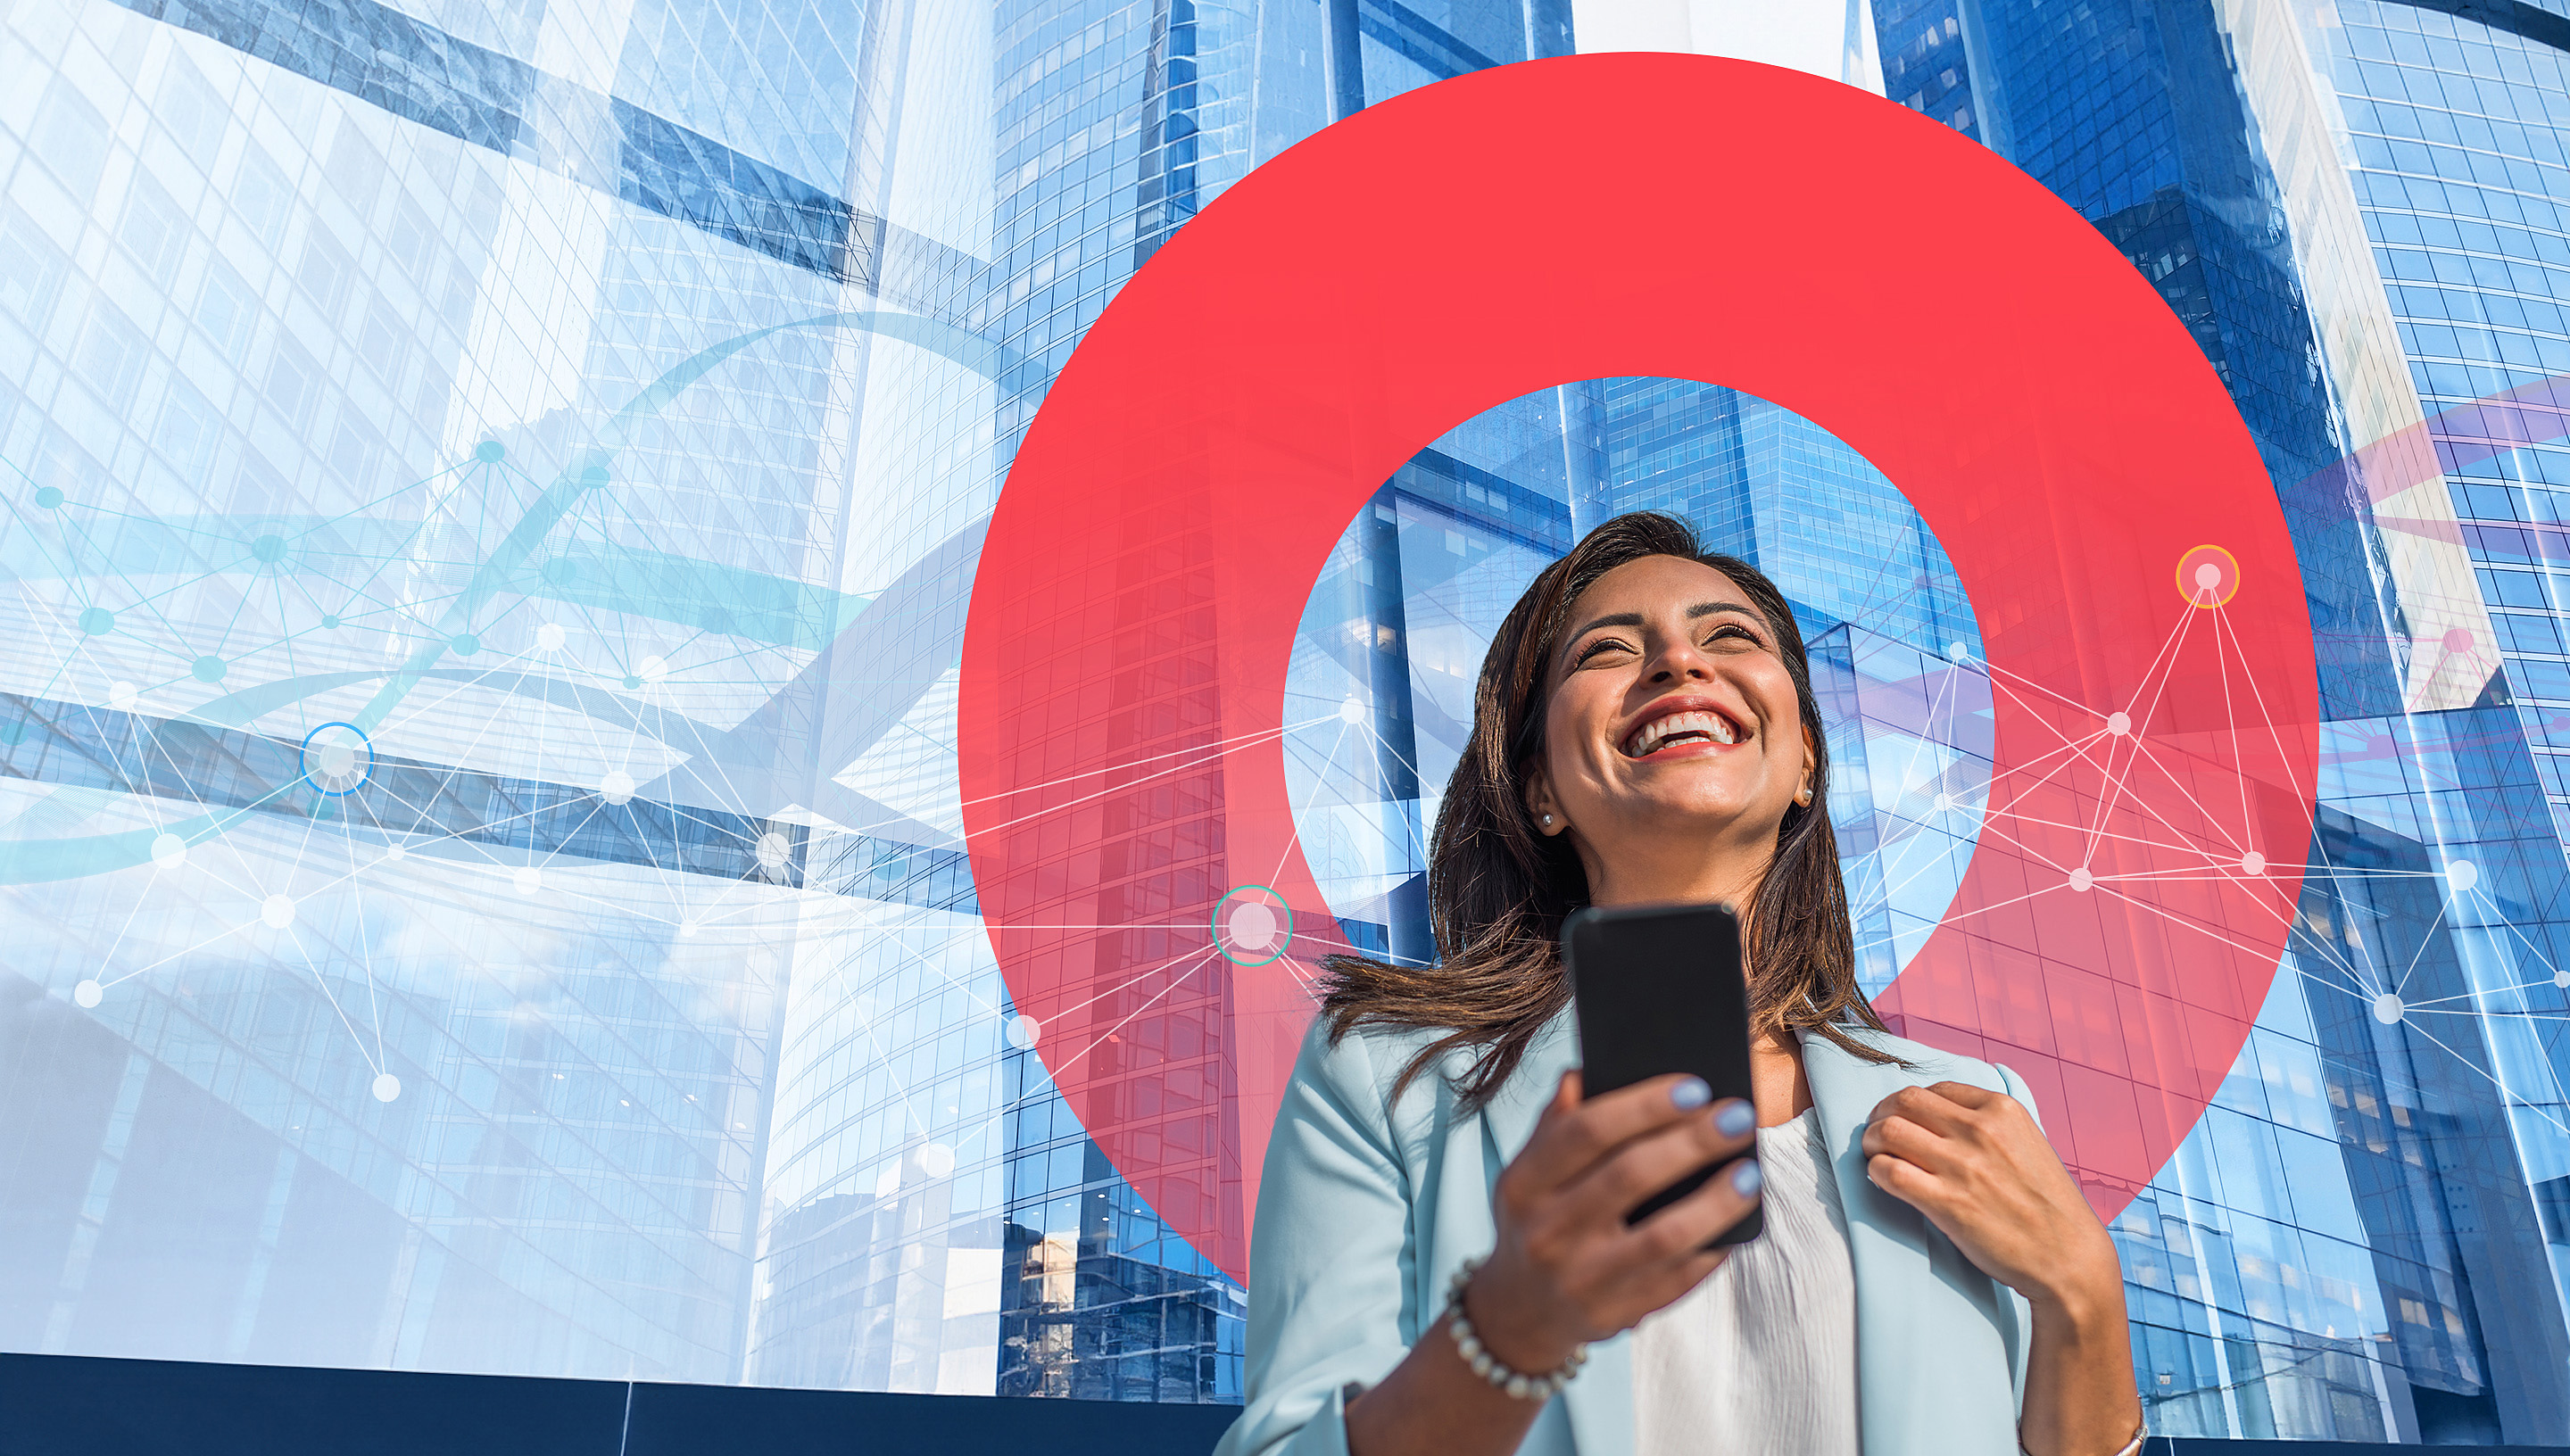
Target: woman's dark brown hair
(1498,889)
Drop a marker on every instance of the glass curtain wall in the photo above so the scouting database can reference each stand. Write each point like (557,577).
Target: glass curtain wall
(2360,1241)
(489,493)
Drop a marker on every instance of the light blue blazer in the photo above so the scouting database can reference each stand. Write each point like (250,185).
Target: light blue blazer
(1366,1208)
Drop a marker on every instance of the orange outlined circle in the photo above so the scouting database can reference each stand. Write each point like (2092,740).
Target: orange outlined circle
(2196,587)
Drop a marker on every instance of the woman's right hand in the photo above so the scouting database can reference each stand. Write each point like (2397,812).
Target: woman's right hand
(1567,1270)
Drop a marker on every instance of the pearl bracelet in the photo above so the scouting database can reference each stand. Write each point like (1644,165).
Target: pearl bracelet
(1468,1343)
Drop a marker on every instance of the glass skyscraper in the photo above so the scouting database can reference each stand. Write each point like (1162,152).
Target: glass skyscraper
(495,489)
(490,496)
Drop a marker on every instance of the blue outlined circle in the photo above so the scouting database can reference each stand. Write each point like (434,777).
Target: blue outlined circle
(340,763)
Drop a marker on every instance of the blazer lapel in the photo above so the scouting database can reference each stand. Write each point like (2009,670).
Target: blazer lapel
(1511,1114)
(1599,1404)
(1932,1370)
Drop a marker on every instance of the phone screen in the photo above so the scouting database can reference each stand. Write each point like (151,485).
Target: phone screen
(1658,989)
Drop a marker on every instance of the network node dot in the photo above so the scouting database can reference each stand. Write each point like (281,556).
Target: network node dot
(98,621)
(2253,863)
(2561,979)
(47,496)
(464,644)
(631,682)
(268,548)
(2388,1008)
(617,787)
(686,929)
(207,669)
(1945,803)
(1252,925)
(2120,724)
(653,669)
(490,452)
(593,478)
(528,878)
(387,1087)
(276,911)
(1958,653)
(551,637)
(2208,577)
(937,1159)
(394,852)
(2462,874)
(168,851)
(772,848)
(1351,711)
(86,995)
(2080,880)
(2458,640)
(1022,1031)
(331,622)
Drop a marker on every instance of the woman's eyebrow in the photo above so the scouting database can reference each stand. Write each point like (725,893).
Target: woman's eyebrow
(1708,608)
(1619,619)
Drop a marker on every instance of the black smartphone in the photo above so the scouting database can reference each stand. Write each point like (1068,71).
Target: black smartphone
(1658,989)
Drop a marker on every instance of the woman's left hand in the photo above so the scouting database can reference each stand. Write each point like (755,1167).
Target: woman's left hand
(1975,1164)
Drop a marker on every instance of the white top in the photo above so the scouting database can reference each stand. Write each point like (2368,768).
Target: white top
(1761,1357)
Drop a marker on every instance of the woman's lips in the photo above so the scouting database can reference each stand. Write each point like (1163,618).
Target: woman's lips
(1681,724)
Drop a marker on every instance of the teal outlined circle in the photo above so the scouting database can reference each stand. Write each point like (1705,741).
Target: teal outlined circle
(1222,940)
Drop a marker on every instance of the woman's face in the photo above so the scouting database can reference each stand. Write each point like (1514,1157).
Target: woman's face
(1672,722)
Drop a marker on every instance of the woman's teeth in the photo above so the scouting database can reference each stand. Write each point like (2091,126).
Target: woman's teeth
(1660,733)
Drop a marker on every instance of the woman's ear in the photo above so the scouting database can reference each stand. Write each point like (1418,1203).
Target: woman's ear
(1539,803)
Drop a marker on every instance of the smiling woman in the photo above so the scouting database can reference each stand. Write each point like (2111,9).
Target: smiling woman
(1438,1255)
(1506,863)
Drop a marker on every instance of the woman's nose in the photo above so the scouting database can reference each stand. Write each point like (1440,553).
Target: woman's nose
(1680,660)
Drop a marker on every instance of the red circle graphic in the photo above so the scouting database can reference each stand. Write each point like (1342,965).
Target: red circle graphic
(1148,562)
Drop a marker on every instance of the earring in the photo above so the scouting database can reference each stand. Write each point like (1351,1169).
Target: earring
(1548,821)
(1803,796)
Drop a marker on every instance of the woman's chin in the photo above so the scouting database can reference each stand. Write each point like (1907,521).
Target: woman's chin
(1712,819)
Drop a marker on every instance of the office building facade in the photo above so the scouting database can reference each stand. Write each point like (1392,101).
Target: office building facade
(492,491)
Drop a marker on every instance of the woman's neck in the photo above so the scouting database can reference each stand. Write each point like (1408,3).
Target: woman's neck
(1648,880)
(1779,1088)
(1651,865)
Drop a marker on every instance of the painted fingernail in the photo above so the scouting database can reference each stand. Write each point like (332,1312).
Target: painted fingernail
(1691,1093)
(1734,1118)
(1745,1177)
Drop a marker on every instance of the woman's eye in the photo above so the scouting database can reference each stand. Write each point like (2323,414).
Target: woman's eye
(1603,644)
